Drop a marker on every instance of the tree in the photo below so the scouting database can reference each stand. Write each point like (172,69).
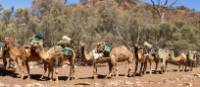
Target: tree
(160,5)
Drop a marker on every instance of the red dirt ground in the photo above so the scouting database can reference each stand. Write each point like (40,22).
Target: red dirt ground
(171,78)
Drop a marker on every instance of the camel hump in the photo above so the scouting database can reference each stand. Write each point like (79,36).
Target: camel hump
(121,50)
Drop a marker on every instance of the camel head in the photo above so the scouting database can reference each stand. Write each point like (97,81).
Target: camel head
(100,47)
(9,39)
(36,47)
(27,47)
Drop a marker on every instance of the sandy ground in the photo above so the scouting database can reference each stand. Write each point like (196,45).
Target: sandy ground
(171,78)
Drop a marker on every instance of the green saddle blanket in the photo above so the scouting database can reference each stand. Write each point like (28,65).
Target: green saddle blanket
(107,47)
(2,43)
(38,37)
(67,50)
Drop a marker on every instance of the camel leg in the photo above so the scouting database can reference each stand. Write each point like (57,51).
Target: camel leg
(150,64)
(156,68)
(110,70)
(11,63)
(144,67)
(141,68)
(192,65)
(51,72)
(116,71)
(56,73)
(136,66)
(185,66)
(28,69)
(166,64)
(45,70)
(20,67)
(72,70)
(4,62)
(94,71)
(179,67)
(129,69)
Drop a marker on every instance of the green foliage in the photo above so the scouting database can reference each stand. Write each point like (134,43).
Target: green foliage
(179,24)
(105,21)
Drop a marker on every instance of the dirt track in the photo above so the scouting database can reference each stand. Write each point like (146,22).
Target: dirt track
(84,74)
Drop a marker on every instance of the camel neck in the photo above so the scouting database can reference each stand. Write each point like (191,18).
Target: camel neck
(10,45)
(136,51)
(42,51)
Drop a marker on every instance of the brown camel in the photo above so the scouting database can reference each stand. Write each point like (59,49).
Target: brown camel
(19,55)
(140,58)
(55,58)
(150,58)
(30,55)
(180,59)
(117,54)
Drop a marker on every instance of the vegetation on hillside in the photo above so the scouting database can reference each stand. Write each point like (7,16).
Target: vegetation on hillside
(121,22)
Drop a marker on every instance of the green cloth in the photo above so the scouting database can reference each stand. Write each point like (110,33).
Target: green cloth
(107,47)
(38,37)
(66,50)
(2,43)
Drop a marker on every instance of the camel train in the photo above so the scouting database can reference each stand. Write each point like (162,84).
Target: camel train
(104,52)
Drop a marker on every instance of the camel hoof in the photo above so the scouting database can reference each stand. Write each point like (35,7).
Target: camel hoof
(18,75)
(141,74)
(129,75)
(41,78)
(106,77)
(28,77)
(51,80)
(68,79)
(22,77)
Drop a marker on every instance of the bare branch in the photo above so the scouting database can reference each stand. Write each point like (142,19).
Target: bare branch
(173,3)
(165,2)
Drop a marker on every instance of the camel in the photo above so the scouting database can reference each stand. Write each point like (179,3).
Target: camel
(140,58)
(117,54)
(19,55)
(150,58)
(162,56)
(55,58)
(192,58)
(29,53)
(180,59)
